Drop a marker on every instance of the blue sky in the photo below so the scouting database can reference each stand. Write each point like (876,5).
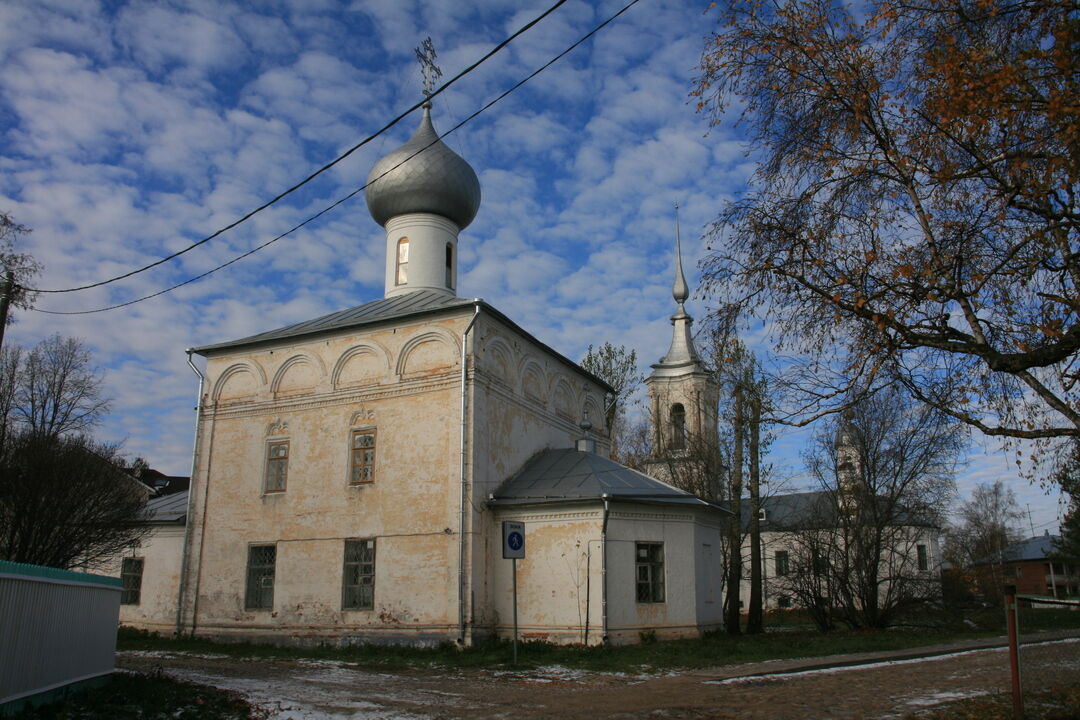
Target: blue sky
(132,129)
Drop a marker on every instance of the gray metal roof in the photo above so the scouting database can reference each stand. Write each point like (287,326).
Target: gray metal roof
(1039,547)
(428,177)
(391,308)
(168,508)
(568,474)
(807,510)
(397,307)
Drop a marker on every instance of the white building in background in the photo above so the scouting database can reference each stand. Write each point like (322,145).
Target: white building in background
(352,471)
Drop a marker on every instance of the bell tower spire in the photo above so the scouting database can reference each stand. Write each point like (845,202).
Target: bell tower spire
(683,395)
(681,354)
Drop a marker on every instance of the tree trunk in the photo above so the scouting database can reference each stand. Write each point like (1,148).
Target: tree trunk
(755,622)
(731,601)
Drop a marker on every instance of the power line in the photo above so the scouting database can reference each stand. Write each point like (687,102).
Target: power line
(321,170)
(352,194)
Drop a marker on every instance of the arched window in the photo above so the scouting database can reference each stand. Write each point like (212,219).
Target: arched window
(449,266)
(678,427)
(402,275)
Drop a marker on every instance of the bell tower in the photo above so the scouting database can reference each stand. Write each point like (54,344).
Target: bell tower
(683,396)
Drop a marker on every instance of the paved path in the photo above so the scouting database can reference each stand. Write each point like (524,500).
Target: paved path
(880,685)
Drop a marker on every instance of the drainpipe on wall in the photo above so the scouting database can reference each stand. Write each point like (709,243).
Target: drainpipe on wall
(463,499)
(185,551)
(603,573)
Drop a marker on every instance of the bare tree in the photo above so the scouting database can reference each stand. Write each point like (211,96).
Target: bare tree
(914,215)
(16,270)
(52,390)
(1068,479)
(886,472)
(64,502)
(987,523)
(617,366)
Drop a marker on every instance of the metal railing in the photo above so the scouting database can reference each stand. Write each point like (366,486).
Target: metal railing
(1044,645)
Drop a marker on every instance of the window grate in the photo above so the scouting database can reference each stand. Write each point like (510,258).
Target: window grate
(260,577)
(358,584)
(131,570)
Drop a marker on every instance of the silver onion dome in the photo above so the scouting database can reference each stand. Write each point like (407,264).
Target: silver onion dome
(436,180)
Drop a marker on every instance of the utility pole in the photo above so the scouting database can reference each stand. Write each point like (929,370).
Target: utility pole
(7,289)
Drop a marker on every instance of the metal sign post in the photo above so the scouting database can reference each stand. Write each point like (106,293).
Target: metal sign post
(514,548)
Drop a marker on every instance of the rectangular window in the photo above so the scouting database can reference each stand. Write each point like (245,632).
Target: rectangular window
(363,456)
(650,572)
(781,563)
(277,466)
(924,558)
(358,584)
(783,601)
(260,577)
(131,575)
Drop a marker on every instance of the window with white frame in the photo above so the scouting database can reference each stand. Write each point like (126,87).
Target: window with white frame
(277,466)
(358,577)
(402,270)
(131,570)
(260,577)
(362,457)
(923,557)
(650,572)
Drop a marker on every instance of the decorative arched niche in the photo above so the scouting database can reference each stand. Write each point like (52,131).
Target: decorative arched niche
(534,382)
(240,382)
(596,414)
(363,364)
(301,374)
(498,359)
(430,353)
(564,400)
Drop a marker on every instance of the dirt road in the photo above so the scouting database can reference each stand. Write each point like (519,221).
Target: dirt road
(888,687)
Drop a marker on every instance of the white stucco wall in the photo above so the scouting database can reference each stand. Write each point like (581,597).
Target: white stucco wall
(403,381)
(161,554)
(686,611)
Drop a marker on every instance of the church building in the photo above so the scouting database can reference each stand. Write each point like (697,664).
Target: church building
(352,472)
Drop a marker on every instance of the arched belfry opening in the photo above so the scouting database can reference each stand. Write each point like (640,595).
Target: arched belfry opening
(678,427)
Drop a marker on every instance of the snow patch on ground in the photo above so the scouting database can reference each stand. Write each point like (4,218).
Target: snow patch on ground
(845,668)
(174,653)
(321,693)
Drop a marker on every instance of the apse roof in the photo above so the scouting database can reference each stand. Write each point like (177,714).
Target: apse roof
(568,475)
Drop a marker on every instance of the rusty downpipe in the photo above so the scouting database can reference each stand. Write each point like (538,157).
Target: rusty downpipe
(603,572)
(186,550)
(463,500)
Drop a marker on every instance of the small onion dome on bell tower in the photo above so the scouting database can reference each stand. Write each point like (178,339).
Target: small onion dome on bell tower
(423,176)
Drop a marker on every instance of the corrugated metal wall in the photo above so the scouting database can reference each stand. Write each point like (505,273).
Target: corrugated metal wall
(56,627)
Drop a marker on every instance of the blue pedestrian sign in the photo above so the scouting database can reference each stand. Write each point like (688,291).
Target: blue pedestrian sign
(513,539)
